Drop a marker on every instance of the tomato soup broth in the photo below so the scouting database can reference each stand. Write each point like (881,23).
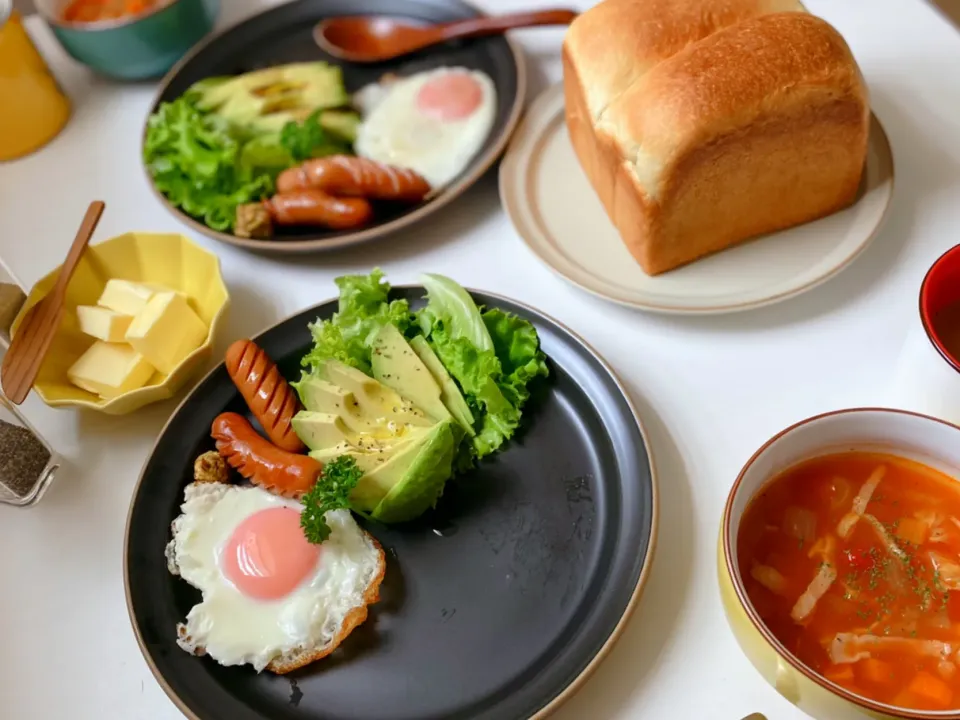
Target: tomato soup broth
(852,560)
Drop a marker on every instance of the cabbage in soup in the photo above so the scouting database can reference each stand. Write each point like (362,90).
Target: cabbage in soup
(852,560)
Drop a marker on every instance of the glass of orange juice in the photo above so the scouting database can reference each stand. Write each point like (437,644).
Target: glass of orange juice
(35,108)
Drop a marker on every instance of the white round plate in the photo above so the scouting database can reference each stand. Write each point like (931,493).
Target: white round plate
(556,213)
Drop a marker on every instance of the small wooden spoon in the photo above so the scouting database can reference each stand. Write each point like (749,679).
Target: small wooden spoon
(36,331)
(373,38)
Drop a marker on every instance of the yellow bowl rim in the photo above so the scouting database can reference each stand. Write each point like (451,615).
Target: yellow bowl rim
(148,393)
(729,556)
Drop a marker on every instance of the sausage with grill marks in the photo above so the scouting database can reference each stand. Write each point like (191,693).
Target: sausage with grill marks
(272,468)
(269,397)
(348,176)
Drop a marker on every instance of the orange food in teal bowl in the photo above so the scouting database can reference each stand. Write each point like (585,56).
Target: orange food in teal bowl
(129,39)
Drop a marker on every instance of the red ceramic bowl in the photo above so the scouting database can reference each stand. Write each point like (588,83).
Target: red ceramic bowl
(941,288)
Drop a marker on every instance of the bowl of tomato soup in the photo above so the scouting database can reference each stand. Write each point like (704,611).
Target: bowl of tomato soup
(839,564)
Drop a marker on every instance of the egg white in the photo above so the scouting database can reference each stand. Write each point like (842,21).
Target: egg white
(235,629)
(395,132)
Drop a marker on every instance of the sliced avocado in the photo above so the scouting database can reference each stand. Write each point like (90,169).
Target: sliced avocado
(374,399)
(321,396)
(199,89)
(422,480)
(449,392)
(376,483)
(369,459)
(267,99)
(342,123)
(397,366)
(321,430)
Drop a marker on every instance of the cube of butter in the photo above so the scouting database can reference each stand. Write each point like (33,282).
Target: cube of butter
(166,331)
(103,324)
(125,297)
(110,369)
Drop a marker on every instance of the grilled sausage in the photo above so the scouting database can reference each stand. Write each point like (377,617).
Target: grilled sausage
(280,472)
(347,176)
(315,207)
(269,397)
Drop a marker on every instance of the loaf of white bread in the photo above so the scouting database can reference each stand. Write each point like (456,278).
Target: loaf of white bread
(702,123)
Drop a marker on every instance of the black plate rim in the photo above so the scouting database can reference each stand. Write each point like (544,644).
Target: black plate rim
(553,704)
(477,168)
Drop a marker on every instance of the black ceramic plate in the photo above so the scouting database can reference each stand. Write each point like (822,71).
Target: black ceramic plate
(495,605)
(284,34)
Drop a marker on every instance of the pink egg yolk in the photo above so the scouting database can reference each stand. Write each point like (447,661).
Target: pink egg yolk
(267,556)
(451,96)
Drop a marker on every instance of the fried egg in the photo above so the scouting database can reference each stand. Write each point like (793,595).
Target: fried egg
(433,122)
(270,599)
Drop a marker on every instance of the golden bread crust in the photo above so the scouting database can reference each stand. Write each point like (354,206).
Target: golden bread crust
(757,127)
(618,41)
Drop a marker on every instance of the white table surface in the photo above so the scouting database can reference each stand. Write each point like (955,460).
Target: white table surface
(710,390)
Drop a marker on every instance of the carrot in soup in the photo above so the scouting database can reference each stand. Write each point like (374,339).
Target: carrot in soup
(875,671)
(912,530)
(854,559)
(840,674)
(929,689)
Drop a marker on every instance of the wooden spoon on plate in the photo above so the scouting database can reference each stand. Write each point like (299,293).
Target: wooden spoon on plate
(22,361)
(374,38)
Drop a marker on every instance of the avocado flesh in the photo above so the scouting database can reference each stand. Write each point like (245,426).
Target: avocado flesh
(377,482)
(420,484)
(267,99)
(449,392)
(320,431)
(368,459)
(397,366)
(373,399)
(342,123)
(321,396)
(405,465)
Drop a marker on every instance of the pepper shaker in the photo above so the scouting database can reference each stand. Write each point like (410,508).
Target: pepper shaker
(27,462)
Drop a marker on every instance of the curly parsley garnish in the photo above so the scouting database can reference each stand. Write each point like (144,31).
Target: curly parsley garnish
(332,492)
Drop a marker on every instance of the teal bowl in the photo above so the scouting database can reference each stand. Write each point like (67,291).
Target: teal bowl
(140,47)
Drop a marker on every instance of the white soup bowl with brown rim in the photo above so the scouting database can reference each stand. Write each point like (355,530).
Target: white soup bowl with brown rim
(933,442)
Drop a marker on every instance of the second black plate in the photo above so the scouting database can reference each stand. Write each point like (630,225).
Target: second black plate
(494,606)
(284,34)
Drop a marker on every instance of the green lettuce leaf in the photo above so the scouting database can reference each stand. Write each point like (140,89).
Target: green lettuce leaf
(195,160)
(450,304)
(308,139)
(517,346)
(492,355)
(363,309)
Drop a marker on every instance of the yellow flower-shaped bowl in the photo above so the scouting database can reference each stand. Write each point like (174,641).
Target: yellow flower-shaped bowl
(162,258)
